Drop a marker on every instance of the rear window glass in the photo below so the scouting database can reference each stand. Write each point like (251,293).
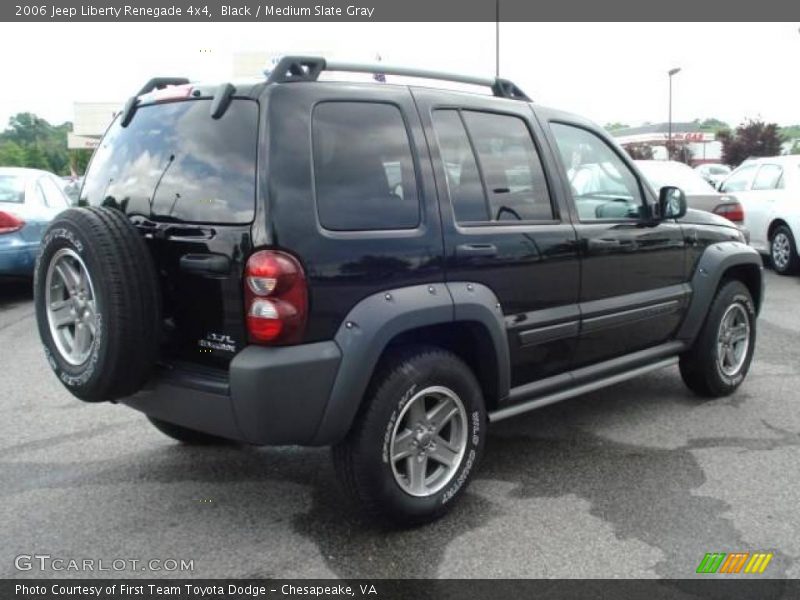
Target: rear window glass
(363,167)
(12,189)
(174,162)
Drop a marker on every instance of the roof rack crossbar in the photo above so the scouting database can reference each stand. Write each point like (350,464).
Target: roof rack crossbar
(308,68)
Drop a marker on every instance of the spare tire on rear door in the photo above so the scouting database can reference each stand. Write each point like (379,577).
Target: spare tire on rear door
(97,303)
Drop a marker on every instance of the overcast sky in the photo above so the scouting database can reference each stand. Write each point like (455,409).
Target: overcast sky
(607,72)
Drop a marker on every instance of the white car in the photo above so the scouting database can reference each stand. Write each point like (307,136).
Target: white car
(713,173)
(769,190)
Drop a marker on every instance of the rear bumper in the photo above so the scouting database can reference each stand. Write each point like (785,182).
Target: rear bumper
(271,396)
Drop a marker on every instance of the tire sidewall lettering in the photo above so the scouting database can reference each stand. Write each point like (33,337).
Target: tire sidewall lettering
(79,375)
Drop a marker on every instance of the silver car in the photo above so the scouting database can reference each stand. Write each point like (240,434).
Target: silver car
(699,193)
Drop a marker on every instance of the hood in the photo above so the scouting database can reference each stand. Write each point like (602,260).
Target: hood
(702,217)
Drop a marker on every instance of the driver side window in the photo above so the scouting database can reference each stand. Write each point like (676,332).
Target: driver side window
(602,184)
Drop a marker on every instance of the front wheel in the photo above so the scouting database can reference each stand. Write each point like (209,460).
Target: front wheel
(783,251)
(721,355)
(414,447)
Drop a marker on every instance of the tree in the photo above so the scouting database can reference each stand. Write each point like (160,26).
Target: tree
(30,141)
(615,126)
(751,138)
(711,125)
(11,154)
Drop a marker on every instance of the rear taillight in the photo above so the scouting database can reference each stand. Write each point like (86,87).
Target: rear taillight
(276,298)
(732,211)
(10,223)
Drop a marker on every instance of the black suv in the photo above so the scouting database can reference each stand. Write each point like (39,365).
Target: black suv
(381,268)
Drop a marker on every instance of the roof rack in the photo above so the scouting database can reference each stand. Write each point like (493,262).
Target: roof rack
(308,68)
(157,83)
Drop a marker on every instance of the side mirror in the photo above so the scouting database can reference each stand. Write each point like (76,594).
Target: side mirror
(671,202)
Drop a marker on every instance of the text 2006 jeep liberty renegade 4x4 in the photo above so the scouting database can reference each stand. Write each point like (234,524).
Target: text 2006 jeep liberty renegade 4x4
(380,268)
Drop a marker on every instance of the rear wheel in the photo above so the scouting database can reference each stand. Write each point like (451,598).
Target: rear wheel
(721,355)
(783,251)
(413,449)
(186,435)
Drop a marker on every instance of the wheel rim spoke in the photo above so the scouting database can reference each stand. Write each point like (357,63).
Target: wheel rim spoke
(416,472)
(442,413)
(62,313)
(403,445)
(443,452)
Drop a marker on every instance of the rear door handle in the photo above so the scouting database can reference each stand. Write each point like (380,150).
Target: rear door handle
(215,265)
(476,250)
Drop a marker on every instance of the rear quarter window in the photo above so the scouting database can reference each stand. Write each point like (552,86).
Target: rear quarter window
(174,162)
(363,167)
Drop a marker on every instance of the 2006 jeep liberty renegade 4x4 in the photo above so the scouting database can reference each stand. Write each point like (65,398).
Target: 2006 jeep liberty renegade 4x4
(380,268)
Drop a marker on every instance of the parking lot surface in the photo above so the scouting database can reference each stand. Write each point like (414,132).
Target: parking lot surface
(637,480)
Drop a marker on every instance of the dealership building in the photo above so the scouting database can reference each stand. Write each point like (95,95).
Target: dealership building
(703,145)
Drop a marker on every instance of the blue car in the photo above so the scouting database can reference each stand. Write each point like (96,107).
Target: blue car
(29,199)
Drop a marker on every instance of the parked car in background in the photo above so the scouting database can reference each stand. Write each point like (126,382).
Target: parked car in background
(769,190)
(699,193)
(713,173)
(29,200)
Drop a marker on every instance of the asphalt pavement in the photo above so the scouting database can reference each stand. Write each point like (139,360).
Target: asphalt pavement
(637,480)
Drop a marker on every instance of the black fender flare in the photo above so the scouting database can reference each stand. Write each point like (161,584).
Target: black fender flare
(377,319)
(713,263)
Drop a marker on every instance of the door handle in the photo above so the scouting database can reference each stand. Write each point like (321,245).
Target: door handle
(600,244)
(476,250)
(215,265)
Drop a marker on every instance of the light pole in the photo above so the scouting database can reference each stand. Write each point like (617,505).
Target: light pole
(671,72)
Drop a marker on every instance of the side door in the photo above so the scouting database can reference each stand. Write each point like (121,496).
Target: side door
(633,291)
(504,223)
(767,191)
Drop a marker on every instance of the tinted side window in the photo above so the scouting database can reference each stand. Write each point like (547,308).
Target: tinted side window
(174,161)
(511,167)
(461,169)
(767,177)
(739,180)
(363,167)
(602,184)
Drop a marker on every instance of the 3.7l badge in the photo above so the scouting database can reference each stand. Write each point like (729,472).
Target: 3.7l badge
(217,341)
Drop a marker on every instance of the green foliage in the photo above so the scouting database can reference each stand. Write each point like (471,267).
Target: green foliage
(711,125)
(795,149)
(615,126)
(790,132)
(11,154)
(30,141)
(752,138)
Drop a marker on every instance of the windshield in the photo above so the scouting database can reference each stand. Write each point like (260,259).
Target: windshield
(12,189)
(660,174)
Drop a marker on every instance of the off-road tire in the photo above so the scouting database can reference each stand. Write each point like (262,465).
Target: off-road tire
(127,300)
(699,366)
(362,459)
